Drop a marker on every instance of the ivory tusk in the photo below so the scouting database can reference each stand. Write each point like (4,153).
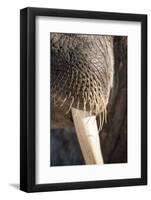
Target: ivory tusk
(87,133)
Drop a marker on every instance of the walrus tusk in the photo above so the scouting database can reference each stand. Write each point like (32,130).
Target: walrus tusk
(87,133)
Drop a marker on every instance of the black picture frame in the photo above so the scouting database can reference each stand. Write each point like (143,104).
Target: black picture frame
(28,98)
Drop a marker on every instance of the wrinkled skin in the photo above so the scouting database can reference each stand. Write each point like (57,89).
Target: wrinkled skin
(113,136)
(82,70)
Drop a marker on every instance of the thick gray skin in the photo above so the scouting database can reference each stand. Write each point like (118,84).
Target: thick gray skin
(82,69)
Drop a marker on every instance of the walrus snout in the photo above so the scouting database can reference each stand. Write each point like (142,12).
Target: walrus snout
(82,70)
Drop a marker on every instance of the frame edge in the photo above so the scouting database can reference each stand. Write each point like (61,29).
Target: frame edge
(23,99)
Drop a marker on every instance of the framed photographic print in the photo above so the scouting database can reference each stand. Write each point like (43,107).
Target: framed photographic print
(83,99)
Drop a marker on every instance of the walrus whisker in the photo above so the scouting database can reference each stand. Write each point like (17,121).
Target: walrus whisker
(70,106)
(65,99)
